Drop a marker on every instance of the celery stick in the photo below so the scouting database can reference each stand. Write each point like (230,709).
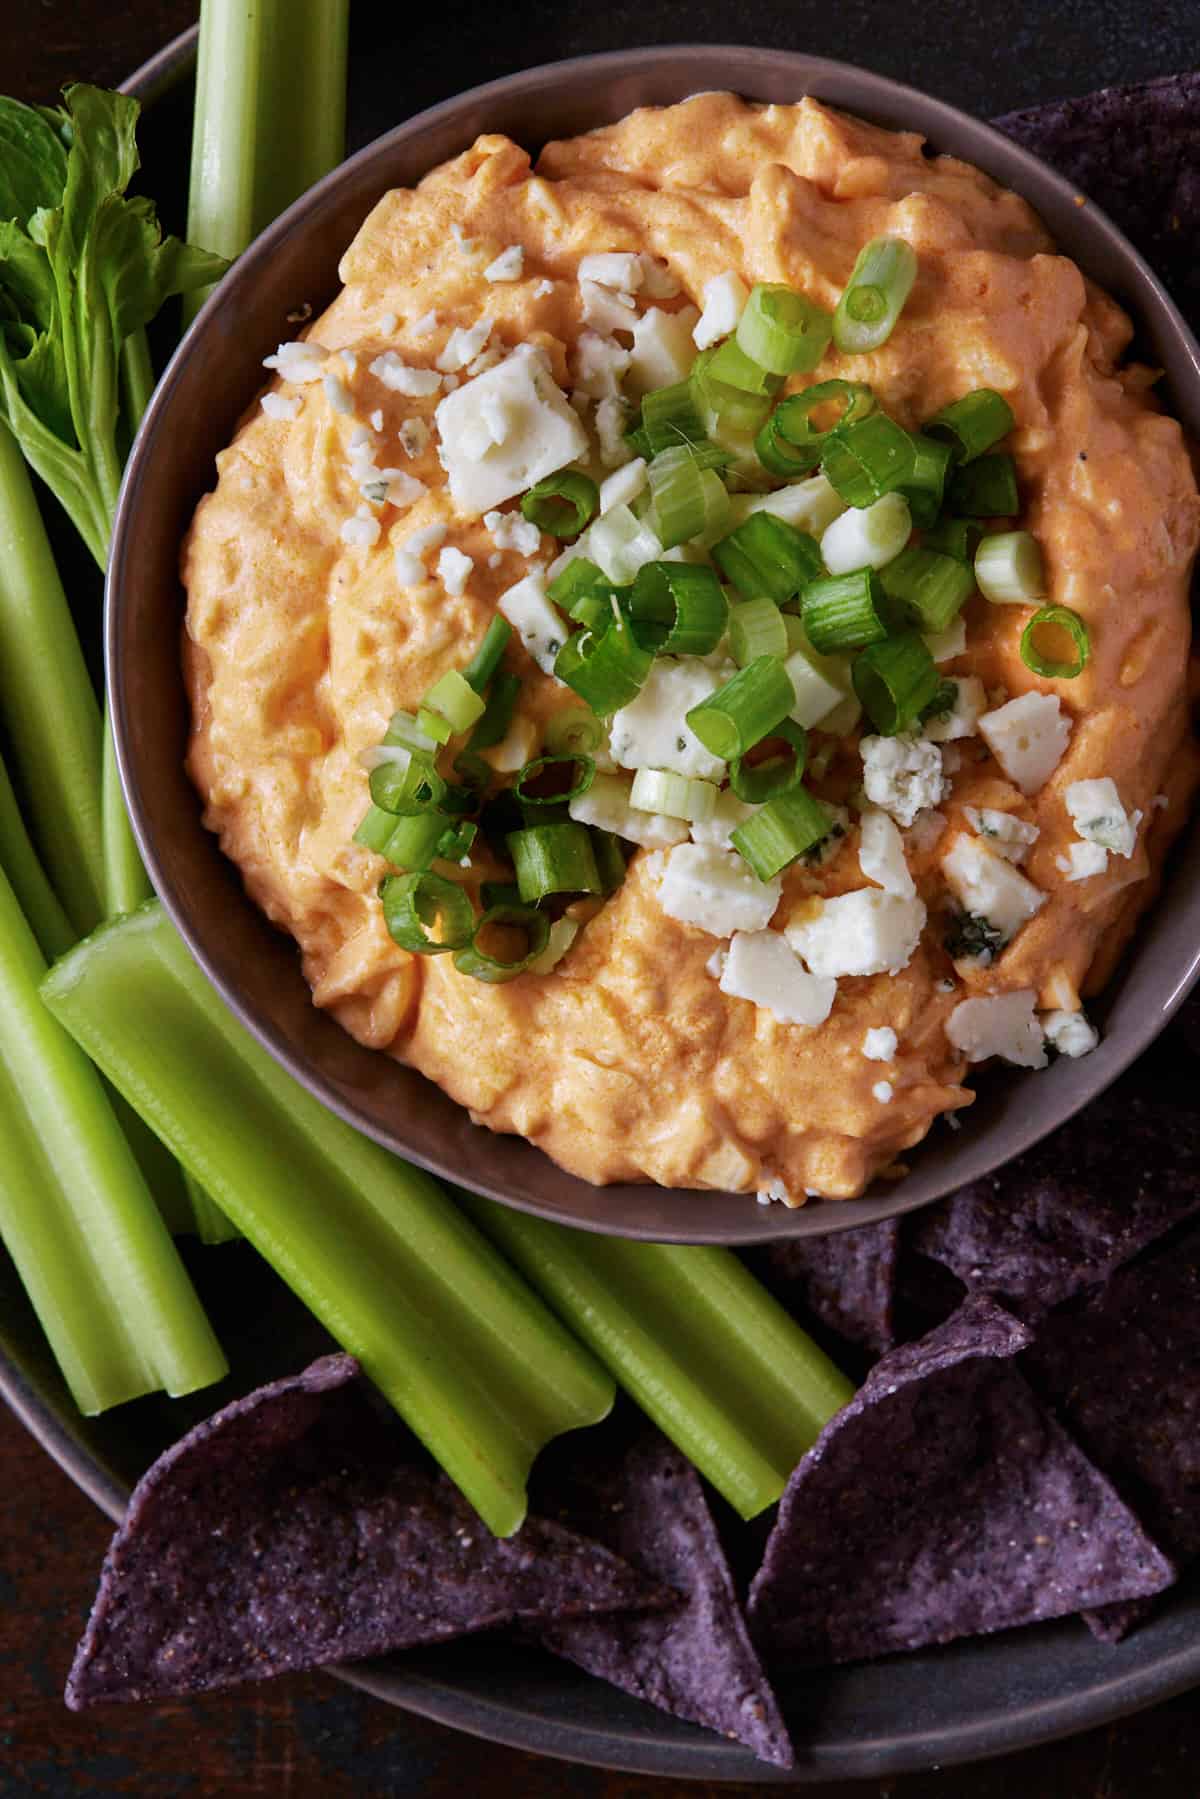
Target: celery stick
(75,1214)
(693,1338)
(126,883)
(47,701)
(207,1219)
(35,896)
(481,1370)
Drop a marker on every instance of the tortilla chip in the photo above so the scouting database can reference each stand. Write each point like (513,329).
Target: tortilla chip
(943,1502)
(645,1502)
(1135,151)
(846,1280)
(288,1531)
(1067,1214)
(1124,1374)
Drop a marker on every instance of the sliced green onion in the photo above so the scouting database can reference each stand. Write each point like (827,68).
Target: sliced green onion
(434,724)
(497,716)
(685,500)
(621,543)
(685,599)
(553,858)
(406,785)
(610,859)
(873,299)
(580,577)
(926,485)
(415,905)
(455,844)
(932,588)
(844,612)
(455,699)
(986,488)
(730,367)
(607,671)
(973,424)
(486,660)
(821,683)
(1059,618)
(672,795)
(403,730)
(745,710)
(782,331)
(670,418)
(895,681)
(375,829)
(868,459)
(723,404)
(414,841)
(563,933)
(757,628)
(955,537)
(575,731)
(562,504)
(481,964)
(594,610)
(780,831)
(763,555)
(499,893)
(789,444)
(562,795)
(867,536)
(1008,568)
(777,774)
(639,443)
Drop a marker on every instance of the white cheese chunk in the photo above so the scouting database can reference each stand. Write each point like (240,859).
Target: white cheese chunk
(508,266)
(620,543)
(618,269)
(903,774)
(658,283)
(338,395)
(962,719)
(1082,861)
(724,297)
(925,830)
(535,620)
(600,363)
(300,361)
(663,351)
(728,813)
(882,1091)
(762,968)
(425,326)
(1002,1024)
(606,806)
(414,436)
(652,731)
(1007,834)
(543,435)
(879,1044)
(989,887)
(623,486)
(281,406)
(821,683)
(463,345)
(1027,737)
(1070,1033)
(1100,817)
(510,531)
(881,853)
(863,932)
(610,429)
(397,376)
(606,311)
(454,571)
(361,532)
(715,890)
(943,646)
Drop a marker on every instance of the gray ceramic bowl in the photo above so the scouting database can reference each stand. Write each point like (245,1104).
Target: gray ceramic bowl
(211,379)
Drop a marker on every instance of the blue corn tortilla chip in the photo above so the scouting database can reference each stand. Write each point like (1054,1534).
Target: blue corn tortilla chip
(1066,1215)
(943,1502)
(846,1280)
(1135,151)
(1123,1372)
(642,1500)
(288,1530)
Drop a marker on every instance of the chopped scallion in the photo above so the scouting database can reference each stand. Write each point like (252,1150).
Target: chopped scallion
(731,367)
(789,444)
(575,731)
(497,716)
(454,698)
(721,404)
(765,780)
(484,958)
(780,831)
(562,791)
(985,488)
(868,459)
(745,710)
(486,660)
(1055,618)
(580,577)
(607,671)
(416,906)
(955,537)
(933,588)
(895,681)
(685,500)
(670,418)
(553,858)
(757,628)
(844,612)
(973,424)
(873,299)
(610,859)
(414,841)
(562,504)
(782,330)
(1008,568)
(672,795)
(764,555)
(926,484)
(683,599)
(405,785)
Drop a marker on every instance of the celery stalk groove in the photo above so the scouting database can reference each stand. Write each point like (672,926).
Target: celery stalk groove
(35,896)
(480,1368)
(693,1338)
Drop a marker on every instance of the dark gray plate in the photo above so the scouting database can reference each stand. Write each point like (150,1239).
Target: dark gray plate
(908,1713)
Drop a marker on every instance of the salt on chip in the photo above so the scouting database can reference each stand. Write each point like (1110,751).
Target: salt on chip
(943,1502)
(642,1500)
(846,1279)
(287,1531)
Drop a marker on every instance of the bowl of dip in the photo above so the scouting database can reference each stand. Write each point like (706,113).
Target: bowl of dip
(634,1088)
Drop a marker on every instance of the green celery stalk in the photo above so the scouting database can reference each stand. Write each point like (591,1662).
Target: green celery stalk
(693,1338)
(207,1219)
(75,1214)
(270,117)
(35,896)
(47,700)
(481,1370)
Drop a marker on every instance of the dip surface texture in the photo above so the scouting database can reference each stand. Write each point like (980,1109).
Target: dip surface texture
(628,1062)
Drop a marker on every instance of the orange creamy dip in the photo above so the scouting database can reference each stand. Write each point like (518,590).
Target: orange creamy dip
(627,1062)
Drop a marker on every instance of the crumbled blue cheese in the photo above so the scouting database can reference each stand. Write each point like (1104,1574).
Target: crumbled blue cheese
(486,359)
(962,718)
(535,620)
(508,266)
(377,419)
(620,270)
(1027,736)
(542,433)
(620,544)
(943,646)
(775,1192)
(724,297)
(879,1044)
(396,375)
(606,311)
(1002,1024)
(409,553)
(454,570)
(863,932)
(882,1091)
(299,361)
(663,351)
(658,283)
(386,324)
(610,429)
(728,813)
(350,360)
(414,436)
(281,406)
(1082,861)
(512,532)
(1100,817)
(362,531)
(926,829)
(425,326)
(989,887)
(716,891)
(1007,834)
(881,853)
(1070,1033)
(623,486)
(600,364)
(606,806)
(338,394)
(903,774)
(761,967)
(463,345)
(652,731)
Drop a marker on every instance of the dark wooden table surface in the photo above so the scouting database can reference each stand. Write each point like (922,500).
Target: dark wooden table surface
(311,1738)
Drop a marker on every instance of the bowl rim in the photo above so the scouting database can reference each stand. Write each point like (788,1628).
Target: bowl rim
(442,1702)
